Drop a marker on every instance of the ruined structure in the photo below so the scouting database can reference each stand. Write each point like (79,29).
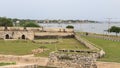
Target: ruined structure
(33,33)
(17,35)
(64,59)
(72,60)
(76,58)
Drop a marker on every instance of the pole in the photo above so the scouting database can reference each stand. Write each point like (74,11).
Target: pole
(109,21)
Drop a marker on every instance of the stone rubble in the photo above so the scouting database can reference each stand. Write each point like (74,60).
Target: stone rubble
(72,60)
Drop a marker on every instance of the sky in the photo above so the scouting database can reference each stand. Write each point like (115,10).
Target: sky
(60,9)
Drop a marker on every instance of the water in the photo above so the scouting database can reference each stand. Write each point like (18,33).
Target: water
(98,28)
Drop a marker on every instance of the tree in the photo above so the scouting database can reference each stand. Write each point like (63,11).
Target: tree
(31,24)
(114,29)
(70,26)
(5,22)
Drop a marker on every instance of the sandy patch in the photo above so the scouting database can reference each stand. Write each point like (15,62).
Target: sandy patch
(108,65)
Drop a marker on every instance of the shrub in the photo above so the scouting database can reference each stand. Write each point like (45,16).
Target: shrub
(31,24)
(70,26)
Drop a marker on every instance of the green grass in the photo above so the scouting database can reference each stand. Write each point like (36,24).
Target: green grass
(111,48)
(21,47)
(17,47)
(6,63)
(63,44)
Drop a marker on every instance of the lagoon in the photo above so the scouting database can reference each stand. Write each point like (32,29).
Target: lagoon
(98,28)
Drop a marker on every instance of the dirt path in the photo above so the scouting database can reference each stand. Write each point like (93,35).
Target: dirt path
(45,60)
(108,65)
(26,59)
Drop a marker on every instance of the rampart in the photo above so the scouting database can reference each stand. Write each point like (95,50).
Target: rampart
(40,29)
(32,33)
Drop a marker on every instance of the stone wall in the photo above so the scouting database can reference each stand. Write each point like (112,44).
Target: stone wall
(17,35)
(72,60)
(75,59)
(39,35)
(58,30)
(91,46)
(31,35)
(44,29)
(34,32)
(84,42)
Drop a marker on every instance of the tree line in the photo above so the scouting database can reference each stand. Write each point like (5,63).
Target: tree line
(8,22)
(67,21)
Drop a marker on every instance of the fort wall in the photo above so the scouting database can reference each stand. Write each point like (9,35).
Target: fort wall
(17,35)
(31,33)
(44,29)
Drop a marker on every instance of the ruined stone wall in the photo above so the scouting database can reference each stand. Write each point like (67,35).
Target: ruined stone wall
(46,29)
(58,30)
(72,60)
(35,32)
(91,46)
(41,35)
(28,35)
(4,33)
(17,34)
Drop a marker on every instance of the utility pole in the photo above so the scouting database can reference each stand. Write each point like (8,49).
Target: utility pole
(109,22)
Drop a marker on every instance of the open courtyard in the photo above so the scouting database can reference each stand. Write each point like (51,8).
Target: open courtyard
(25,47)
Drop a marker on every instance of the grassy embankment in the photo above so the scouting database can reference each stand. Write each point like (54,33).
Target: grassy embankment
(111,48)
(21,47)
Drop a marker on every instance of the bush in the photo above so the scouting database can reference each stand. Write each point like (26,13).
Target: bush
(70,26)
(31,24)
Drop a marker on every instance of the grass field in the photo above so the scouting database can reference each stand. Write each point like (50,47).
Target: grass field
(63,44)
(21,47)
(111,48)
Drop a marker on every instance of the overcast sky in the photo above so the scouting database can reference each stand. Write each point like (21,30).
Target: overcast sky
(60,9)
